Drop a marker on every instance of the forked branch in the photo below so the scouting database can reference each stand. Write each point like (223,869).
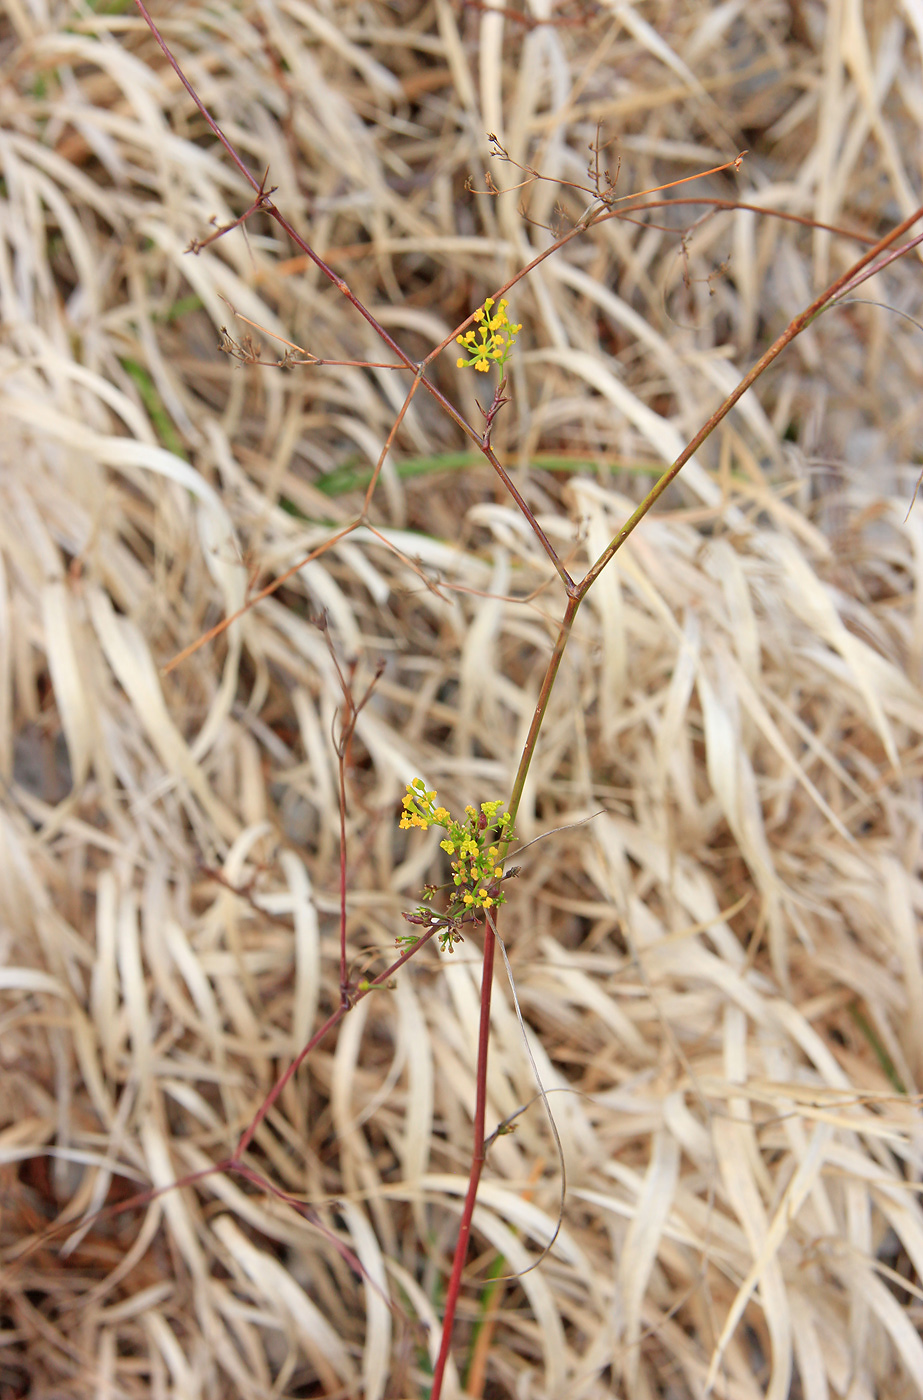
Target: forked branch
(602,206)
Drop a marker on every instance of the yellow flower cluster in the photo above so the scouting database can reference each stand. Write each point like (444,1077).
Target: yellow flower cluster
(476,872)
(497,337)
(417,798)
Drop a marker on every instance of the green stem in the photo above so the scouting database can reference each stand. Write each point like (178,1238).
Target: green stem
(849,279)
(541,705)
(490,943)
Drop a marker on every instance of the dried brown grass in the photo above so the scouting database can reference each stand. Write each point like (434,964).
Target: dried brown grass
(722,972)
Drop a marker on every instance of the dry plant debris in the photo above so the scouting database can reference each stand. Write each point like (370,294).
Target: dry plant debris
(721,972)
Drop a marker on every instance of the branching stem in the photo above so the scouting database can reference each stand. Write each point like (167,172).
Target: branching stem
(872,260)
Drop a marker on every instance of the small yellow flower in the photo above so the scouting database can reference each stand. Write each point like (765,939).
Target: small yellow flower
(492,348)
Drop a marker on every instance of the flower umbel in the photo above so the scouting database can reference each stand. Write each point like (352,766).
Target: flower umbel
(497,338)
(476,874)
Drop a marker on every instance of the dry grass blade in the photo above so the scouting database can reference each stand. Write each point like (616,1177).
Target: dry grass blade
(721,976)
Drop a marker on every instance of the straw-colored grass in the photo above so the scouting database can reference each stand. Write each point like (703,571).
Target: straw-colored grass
(721,972)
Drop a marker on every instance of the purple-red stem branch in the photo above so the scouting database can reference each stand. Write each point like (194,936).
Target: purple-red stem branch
(477,1164)
(332,1020)
(490,944)
(265,203)
(575,594)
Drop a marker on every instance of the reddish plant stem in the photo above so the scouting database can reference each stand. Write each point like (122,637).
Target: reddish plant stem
(575,595)
(849,279)
(477,1165)
(234,1163)
(874,268)
(264,202)
(490,944)
(731,205)
(344,973)
(266,592)
(356,995)
(341,747)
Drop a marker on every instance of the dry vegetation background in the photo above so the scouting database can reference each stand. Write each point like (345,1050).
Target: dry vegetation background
(721,973)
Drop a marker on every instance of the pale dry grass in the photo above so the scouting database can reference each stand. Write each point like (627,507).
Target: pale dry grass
(721,971)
